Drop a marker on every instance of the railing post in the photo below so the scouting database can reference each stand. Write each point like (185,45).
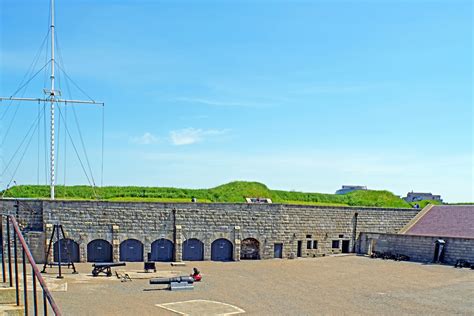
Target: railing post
(4,277)
(25,284)
(9,250)
(35,303)
(48,300)
(17,289)
(45,304)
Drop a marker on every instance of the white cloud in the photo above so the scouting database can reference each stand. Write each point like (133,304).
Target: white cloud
(320,171)
(191,135)
(338,88)
(146,139)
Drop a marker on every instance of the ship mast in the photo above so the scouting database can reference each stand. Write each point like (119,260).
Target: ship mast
(53,97)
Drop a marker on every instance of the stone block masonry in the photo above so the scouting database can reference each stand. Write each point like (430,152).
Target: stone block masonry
(418,248)
(330,229)
(29,213)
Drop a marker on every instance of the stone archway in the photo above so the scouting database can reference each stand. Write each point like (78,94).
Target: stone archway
(67,246)
(162,250)
(99,250)
(250,249)
(193,250)
(131,250)
(222,250)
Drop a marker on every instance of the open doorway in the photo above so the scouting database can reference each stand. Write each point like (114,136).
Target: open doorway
(345,246)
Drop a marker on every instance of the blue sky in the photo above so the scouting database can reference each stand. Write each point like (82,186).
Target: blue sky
(301,96)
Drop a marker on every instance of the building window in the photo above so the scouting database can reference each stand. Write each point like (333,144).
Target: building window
(308,244)
(341,236)
(308,236)
(335,244)
(315,244)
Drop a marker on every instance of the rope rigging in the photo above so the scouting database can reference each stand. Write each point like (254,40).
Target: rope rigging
(22,87)
(31,67)
(22,156)
(77,153)
(57,148)
(67,80)
(27,135)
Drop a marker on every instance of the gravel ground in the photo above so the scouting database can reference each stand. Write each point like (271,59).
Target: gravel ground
(329,285)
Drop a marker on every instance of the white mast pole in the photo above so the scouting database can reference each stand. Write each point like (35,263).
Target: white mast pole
(53,100)
(52,97)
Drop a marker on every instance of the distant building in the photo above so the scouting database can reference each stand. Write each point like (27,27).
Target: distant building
(258,200)
(349,188)
(419,196)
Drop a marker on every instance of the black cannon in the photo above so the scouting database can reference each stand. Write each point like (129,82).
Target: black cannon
(105,267)
(401,257)
(376,254)
(462,263)
(389,256)
(177,283)
(182,279)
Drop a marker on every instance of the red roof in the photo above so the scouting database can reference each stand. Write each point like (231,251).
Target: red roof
(446,221)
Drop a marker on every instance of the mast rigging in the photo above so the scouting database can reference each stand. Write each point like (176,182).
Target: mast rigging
(51,96)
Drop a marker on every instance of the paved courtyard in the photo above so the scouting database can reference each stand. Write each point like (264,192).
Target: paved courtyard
(329,285)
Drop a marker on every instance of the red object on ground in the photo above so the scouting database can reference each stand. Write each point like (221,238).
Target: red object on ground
(197,277)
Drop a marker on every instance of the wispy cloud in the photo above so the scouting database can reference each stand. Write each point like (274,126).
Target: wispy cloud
(191,135)
(222,103)
(145,139)
(319,171)
(337,88)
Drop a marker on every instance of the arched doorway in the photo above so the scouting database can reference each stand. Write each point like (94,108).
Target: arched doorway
(131,250)
(162,250)
(250,249)
(193,250)
(221,250)
(99,250)
(67,245)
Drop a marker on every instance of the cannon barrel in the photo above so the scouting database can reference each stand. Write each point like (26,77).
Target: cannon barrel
(186,279)
(109,264)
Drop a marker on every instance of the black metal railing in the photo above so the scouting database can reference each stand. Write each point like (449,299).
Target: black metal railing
(13,232)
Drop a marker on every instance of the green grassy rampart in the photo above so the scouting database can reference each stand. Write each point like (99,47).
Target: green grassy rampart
(233,192)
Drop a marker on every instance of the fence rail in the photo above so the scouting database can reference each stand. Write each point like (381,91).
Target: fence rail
(13,232)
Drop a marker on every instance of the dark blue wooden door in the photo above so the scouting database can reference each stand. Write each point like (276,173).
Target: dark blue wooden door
(193,250)
(278,250)
(221,250)
(162,250)
(131,250)
(67,245)
(99,250)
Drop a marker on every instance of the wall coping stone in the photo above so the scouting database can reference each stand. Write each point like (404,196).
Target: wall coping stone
(197,206)
(426,236)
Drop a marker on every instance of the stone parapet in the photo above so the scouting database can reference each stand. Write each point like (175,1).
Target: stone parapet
(85,221)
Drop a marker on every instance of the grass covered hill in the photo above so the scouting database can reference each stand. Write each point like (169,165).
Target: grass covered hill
(231,192)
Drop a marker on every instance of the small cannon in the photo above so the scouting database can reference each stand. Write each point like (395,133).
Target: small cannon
(177,283)
(462,263)
(105,267)
(389,256)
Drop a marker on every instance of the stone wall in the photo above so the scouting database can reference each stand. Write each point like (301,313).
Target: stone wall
(418,248)
(115,222)
(321,227)
(29,213)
